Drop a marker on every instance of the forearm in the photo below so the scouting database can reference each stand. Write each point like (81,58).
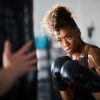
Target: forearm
(96,95)
(67,92)
(66,95)
(7,78)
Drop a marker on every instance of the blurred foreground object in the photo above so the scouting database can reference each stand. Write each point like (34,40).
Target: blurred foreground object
(16,24)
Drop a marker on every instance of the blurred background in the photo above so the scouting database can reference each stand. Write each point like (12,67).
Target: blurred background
(22,18)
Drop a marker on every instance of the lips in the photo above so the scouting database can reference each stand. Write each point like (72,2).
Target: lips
(68,50)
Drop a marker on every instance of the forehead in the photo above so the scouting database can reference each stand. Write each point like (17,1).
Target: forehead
(64,31)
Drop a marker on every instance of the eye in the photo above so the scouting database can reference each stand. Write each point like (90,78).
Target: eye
(69,37)
(59,41)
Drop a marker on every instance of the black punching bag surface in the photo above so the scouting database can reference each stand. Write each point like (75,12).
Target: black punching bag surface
(16,24)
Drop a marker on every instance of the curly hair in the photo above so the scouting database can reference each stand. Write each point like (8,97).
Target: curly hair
(58,17)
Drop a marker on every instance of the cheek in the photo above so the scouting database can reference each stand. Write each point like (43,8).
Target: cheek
(73,43)
(61,46)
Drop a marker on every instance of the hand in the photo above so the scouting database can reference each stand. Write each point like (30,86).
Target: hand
(21,61)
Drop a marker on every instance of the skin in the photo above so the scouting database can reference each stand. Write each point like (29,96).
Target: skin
(69,39)
(15,65)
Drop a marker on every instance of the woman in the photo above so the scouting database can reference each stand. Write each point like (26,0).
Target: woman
(59,22)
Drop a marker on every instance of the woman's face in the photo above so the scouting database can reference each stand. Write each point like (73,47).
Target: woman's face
(68,39)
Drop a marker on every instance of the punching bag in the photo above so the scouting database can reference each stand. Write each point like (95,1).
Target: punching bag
(16,24)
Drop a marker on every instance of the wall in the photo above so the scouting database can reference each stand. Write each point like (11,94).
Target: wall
(91,16)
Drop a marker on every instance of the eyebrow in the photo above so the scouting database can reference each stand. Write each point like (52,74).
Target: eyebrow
(65,35)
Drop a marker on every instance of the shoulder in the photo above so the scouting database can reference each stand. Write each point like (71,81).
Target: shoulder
(94,54)
(93,50)
(94,57)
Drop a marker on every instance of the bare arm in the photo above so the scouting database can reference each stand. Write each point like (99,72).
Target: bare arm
(7,78)
(66,95)
(95,56)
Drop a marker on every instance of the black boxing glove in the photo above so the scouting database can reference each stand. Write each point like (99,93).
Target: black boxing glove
(59,84)
(72,70)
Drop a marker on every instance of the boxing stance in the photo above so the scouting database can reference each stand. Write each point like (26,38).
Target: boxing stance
(66,71)
(58,22)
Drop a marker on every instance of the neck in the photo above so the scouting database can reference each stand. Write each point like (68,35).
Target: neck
(79,49)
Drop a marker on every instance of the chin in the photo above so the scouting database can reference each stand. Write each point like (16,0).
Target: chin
(69,53)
